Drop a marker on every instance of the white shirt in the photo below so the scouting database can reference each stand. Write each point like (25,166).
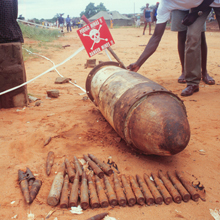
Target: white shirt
(166,6)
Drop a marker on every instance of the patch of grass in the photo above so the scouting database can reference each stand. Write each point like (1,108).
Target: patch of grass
(26,54)
(38,33)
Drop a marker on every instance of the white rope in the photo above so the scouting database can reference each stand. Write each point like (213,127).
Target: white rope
(28,22)
(52,68)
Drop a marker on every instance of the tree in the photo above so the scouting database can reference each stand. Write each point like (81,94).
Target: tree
(91,9)
(100,7)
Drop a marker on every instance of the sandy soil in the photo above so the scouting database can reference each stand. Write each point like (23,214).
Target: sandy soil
(77,127)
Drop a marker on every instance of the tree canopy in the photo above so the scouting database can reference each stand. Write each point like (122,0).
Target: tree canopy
(91,9)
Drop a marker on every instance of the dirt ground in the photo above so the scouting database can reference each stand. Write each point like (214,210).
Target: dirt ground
(77,127)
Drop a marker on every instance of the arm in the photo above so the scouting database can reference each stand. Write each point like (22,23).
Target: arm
(193,15)
(150,48)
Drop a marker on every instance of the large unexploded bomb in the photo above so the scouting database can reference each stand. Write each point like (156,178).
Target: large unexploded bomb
(142,112)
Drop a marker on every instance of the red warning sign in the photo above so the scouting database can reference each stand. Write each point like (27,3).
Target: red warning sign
(95,36)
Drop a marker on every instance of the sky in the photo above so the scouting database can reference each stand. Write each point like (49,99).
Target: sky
(49,8)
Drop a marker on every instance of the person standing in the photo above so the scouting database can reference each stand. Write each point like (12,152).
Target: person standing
(61,22)
(195,21)
(68,24)
(111,21)
(138,22)
(147,18)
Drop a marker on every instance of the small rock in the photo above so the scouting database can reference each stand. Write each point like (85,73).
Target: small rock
(54,93)
(85,98)
(37,103)
(61,80)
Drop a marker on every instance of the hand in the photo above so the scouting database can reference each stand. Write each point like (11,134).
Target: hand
(133,67)
(190,18)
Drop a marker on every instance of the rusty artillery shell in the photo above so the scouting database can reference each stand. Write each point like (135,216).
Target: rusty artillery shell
(24,185)
(56,188)
(101,193)
(137,191)
(119,191)
(70,170)
(74,195)
(49,162)
(99,216)
(162,189)
(93,197)
(78,167)
(128,191)
(157,197)
(64,199)
(110,193)
(183,192)
(84,192)
(171,189)
(128,107)
(194,194)
(35,189)
(103,166)
(145,190)
(30,176)
(94,166)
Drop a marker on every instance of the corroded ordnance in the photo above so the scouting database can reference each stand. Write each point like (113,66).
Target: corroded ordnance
(93,197)
(110,192)
(30,176)
(128,191)
(101,193)
(137,191)
(157,197)
(22,178)
(141,111)
(119,191)
(84,192)
(94,166)
(35,187)
(74,195)
(70,170)
(102,165)
(64,199)
(99,216)
(172,190)
(145,190)
(56,188)
(176,182)
(162,189)
(194,194)
(78,167)
(49,162)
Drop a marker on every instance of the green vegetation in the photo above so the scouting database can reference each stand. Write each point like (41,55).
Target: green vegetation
(91,9)
(40,34)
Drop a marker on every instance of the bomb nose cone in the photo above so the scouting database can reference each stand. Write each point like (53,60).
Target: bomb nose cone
(158,125)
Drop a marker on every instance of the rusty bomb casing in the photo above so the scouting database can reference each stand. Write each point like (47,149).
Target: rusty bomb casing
(145,114)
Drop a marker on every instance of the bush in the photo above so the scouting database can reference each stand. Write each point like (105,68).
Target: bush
(38,33)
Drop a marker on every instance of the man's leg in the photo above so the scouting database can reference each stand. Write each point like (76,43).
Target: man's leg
(181,50)
(217,13)
(176,25)
(205,76)
(193,55)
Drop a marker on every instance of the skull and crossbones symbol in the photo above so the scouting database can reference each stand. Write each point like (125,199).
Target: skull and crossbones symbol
(94,35)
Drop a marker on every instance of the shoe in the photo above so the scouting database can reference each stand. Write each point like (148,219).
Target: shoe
(189,90)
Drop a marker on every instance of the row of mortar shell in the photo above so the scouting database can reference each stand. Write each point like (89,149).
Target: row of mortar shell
(133,190)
